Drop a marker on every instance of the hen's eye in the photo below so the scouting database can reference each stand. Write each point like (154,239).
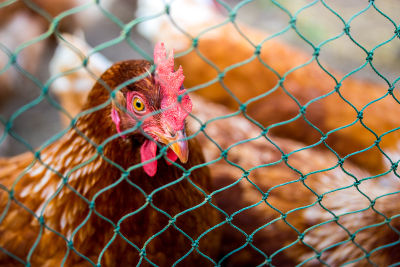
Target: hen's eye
(138,104)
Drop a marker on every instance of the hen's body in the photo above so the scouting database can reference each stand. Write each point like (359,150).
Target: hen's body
(88,206)
(287,206)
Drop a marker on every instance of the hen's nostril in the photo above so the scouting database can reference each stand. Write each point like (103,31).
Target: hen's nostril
(172,133)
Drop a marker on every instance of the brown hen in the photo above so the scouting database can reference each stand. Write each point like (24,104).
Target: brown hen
(85,200)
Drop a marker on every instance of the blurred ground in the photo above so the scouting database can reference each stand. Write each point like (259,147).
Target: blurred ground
(315,22)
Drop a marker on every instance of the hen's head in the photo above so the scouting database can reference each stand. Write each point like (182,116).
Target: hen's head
(157,103)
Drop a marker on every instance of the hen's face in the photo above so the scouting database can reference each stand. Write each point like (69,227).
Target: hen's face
(158,109)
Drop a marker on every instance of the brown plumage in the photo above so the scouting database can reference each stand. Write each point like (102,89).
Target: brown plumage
(67,189)
(290,204)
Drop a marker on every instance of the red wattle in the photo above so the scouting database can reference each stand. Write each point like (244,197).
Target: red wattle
(171,155)
(148,151)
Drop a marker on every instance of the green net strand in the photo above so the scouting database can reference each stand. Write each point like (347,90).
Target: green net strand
(124,35)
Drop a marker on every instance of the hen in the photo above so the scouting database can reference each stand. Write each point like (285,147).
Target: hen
(84,199)
(245,167)
(270,81)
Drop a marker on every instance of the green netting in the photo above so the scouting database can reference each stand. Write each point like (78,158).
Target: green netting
(264,197)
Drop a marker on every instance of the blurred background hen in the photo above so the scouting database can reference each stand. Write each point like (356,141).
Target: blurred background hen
(286,197)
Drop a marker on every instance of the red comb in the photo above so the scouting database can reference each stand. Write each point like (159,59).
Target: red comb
(170,82)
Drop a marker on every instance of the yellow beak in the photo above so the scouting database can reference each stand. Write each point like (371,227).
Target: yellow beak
(178,144)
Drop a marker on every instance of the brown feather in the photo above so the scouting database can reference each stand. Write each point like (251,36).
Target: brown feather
(66,207)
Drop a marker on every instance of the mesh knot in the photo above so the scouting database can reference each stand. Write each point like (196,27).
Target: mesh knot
(99,149)
(112,94)
(13,59)
(280,82)
(302,177)
(249,239)
(373,202)
(37,154)
(347,29)
(356,183)
(45,89)
(258,50)
(352,237)
(229,219)
(221,75)
(202,127)
(264,131)
(292,21)
(142,252)
(85,62)
(390,90)
(395,165)
(195,243)
(116,229)
(284,157)
(232,16)
(8,126)
(341,161)
(186,173)
(172,220)
(195,42)
(388,220)
(65,179)
(319,199)
(323,138)
(70,244)
(370,56)
(301,236)
(224,154)
(360,115)
(167,9)
(163,150)
(303,110)
(208,198)
(397,32)
(377,141)
(179,98)
(11,194)
(41,220)
(73,122)
(149,199)
(337,87)
(284,216)
(243,107)
(91,205)
(246,173)
(316,52)
(265,196)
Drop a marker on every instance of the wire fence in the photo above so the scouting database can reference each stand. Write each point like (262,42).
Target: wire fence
(303,202)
